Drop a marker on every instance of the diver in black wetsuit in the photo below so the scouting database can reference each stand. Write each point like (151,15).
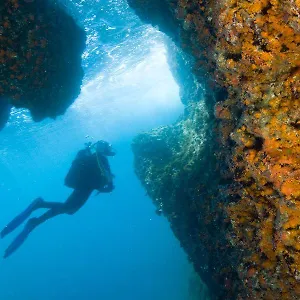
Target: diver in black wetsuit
(90,171)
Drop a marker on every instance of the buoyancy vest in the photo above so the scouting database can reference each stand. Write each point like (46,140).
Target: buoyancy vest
(88,171)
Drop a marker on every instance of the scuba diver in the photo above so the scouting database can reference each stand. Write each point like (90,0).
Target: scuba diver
(90,171)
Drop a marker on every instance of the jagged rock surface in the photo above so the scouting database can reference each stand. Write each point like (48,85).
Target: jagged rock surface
(40,58)
(236,211)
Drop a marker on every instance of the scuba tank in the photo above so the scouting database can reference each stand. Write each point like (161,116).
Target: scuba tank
(89,170)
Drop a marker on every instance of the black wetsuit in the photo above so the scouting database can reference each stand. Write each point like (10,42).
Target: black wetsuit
(88,172)
(84,176)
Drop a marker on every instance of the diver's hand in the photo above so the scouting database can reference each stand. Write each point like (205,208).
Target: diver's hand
(108,188)
(109,177)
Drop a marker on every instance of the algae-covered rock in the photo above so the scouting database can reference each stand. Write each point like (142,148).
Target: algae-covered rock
(249,51)
(177,167)
(40,57)
(196,289)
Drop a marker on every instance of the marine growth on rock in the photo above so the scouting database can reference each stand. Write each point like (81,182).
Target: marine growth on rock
(235,203)
(40,58)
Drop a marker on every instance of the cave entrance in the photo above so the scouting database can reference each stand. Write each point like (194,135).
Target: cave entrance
(133,91)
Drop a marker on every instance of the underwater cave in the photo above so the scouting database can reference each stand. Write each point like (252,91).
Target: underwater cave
(201,101)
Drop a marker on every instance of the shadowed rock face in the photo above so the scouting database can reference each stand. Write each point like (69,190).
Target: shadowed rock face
(233,201)
(5,108)
(177,166)
(40,57)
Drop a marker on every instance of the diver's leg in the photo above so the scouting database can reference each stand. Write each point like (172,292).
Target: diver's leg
(51,213)
(75,201)
(19,219)
(36,204)
(50,205)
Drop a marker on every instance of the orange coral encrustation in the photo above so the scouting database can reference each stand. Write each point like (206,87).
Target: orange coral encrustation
(251,49)
(258,45)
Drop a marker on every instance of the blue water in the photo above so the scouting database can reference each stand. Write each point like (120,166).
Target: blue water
(115,247)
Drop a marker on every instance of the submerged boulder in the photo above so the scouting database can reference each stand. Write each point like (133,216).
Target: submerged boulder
(40,57)
(236,210)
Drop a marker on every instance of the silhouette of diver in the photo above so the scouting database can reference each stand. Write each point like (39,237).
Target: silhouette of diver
(90,171)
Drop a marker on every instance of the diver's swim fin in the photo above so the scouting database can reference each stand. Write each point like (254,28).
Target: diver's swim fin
(18,241)
(19,219)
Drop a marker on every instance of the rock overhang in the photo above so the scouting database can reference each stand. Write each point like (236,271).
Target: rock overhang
(40,55)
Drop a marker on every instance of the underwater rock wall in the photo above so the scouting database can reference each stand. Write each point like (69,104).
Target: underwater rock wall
(231,187)
(40,58)
(176,166)
(181,65)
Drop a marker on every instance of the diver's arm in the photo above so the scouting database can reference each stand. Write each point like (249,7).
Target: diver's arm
(84,153)
(108,174)
(107,188)
(106,164)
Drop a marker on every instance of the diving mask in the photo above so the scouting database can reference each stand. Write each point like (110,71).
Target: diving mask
(103,147)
